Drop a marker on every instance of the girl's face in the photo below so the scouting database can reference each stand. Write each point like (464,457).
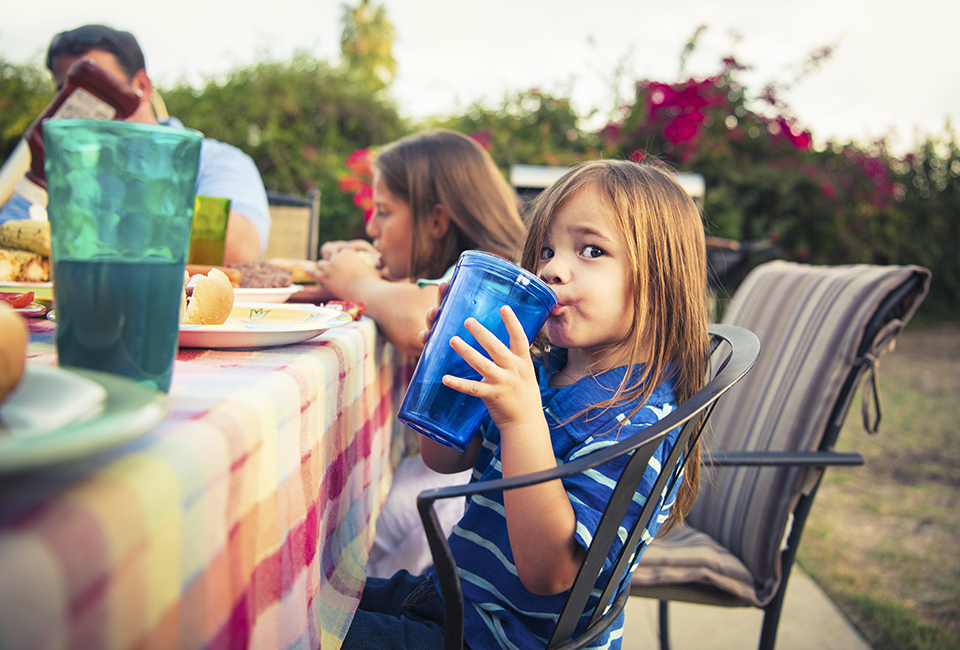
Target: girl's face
(391,228)
(584,260)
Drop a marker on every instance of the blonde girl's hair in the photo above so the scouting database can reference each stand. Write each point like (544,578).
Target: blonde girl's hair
(663,232)
(442,167)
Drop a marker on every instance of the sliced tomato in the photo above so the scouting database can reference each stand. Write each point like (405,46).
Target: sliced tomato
(18,300)
(355,309)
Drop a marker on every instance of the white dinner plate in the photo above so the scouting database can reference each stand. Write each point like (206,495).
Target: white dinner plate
(130,410)
(266,295)
(33,310)
(260,325)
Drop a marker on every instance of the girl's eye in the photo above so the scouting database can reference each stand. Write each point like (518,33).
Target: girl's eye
(545,253)
(592,252)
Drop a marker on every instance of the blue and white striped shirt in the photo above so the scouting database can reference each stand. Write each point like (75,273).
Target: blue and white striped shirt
(499,612)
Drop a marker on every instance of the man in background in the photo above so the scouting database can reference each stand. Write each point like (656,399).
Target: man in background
(225,171)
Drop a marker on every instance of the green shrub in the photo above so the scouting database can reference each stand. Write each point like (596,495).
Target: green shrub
(299,120)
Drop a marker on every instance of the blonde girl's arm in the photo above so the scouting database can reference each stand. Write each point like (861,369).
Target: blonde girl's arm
(540,520)
(397,307)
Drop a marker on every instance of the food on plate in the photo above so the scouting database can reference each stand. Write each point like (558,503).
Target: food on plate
(26,235)
(203,269)
(298,268)
(262,275)
(355,309)
(17,300)
(207,299)
(24,251)
(13,349)
(23,266)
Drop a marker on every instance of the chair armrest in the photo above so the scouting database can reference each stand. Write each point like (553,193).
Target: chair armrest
(781,458)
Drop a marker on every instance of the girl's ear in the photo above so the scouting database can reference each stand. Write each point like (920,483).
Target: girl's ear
(438,222)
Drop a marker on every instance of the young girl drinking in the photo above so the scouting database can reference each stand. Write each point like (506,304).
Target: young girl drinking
(436,194)
(622,246)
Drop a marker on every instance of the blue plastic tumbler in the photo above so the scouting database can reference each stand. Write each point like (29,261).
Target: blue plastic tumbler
(481,284)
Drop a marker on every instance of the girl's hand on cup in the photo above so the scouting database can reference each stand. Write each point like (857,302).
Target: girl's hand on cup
(433,313)
(509,384)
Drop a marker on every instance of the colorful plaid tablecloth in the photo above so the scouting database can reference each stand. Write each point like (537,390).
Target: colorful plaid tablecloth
(244,519)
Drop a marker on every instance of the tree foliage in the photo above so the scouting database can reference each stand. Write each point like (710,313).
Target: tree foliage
(844,203)
(299,120)
(310,123)
(529,128)
(24,92)
(366,45)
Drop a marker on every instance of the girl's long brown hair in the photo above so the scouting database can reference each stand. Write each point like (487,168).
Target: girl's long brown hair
(663,232)
(442,167)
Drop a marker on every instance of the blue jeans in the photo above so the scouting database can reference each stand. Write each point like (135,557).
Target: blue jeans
(403,612)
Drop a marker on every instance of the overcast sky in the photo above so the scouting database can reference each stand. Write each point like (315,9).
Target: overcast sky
(895,71)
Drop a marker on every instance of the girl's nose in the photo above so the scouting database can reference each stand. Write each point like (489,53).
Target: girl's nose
(553,272)
(370,228)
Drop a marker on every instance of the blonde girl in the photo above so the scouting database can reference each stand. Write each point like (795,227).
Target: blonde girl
(622,246)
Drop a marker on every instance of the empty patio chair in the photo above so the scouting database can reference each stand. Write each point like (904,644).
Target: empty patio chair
(822,329)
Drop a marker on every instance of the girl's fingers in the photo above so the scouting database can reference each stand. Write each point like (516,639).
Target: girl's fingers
(473,357)
(499,352)
(431,317)
(519,344)
(466,386)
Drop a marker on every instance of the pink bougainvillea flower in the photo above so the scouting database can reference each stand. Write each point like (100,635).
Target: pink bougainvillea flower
(350,184)
(684,127)
(638,155)
(360,161)
(484,137)
(364,200)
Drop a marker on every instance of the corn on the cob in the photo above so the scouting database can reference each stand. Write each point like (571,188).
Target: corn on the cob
(9,267)
(30,266)
(26,235)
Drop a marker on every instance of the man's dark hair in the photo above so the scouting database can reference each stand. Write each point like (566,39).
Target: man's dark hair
(79,41)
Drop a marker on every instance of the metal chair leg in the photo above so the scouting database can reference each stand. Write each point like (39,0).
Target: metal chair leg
(664,626)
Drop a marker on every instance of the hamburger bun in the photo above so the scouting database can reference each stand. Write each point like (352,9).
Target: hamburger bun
(211,301)
(13,349)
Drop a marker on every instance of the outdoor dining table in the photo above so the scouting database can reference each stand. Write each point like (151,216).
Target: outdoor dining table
(243,519)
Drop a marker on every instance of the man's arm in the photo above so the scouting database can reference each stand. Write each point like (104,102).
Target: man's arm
(228,172)
(243,240)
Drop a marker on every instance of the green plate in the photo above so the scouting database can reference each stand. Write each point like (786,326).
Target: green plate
(130,411)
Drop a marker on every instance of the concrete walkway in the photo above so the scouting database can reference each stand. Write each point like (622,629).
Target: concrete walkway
(809,620)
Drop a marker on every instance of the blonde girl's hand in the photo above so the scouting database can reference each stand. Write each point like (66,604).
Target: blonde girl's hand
(509,387)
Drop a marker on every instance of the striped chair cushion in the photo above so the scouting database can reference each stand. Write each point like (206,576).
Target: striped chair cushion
(810,321)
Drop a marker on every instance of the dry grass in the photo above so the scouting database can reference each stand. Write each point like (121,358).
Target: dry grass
(883,540)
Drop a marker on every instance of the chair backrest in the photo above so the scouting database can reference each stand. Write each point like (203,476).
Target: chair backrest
(735,350)
(294,226)
(821,329)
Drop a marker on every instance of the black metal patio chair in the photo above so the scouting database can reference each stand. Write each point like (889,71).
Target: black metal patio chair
(735,350)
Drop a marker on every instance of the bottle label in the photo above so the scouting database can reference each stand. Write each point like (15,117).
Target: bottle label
(84,105)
